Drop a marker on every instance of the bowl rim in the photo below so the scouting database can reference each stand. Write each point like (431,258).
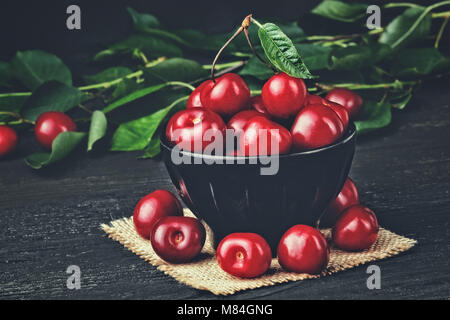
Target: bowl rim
(348,136)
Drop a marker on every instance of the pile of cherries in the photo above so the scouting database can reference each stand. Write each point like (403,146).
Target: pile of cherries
(48,126)
(284,112)
(158,217)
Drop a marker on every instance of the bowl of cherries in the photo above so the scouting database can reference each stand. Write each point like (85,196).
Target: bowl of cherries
(232,189)
(256,215)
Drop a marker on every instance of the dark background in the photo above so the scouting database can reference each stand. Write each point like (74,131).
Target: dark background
(49,219)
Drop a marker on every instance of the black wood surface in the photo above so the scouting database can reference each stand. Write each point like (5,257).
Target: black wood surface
(50,219)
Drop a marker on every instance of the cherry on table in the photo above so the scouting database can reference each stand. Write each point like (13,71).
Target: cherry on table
(303,249)
(244,255)
(350,100)
(346,198)
(8,140)
(258,135)
(227,96)
(356,229)
(283,95)
(187,128)
(316,126)
(50,124)
(151,208)
(178,239)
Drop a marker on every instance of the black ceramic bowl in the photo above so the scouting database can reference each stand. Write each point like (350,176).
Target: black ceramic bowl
(237,198)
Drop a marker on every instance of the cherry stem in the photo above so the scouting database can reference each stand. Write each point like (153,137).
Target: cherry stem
(238,31)
(254,51)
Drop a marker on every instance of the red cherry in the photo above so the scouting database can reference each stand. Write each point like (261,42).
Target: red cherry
(178,239)
(356,229)
(316,126)
(350,100)
(8,140)
(194,98)
(227,96)
(240,119)
(313,99)
(284,95)
(256,103)
(50,124)
(340,110)
(187,128)
(258,134)
(346,198)
(151,208)
(244,255)
(303,249)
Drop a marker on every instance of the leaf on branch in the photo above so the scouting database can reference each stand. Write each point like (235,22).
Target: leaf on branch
(257,69)
(396,32)
(281,52)
(97,129)
(34,68)
(375,115)
(341,11)
(421,61)
(141,21)
(152,47)
(314,56)
(136,134)
(109,74)
(62,146)
(178,69)
(153,148)
(52,96)
(133,96)
(6,76)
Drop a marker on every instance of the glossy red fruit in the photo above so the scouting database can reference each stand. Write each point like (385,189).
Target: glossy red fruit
(258,137)
(350,100)
(303,249)
(194,98)
(50,124)
(244,255)
(8,140)
(340,110)
(316,126)
(284,95)
(187,128)
(313,99)
(240,119)
(348,197)
(151,208)
(356,229)
(256,103)
(227,96)
(178,239)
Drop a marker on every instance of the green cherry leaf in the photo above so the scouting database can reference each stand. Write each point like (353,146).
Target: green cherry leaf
(97,129)
(316,57)
(375,115)
(108,75)
(417,62)
(34,68)
(341,11)
(132,97)
(62,146)
(153,148)
(257,69)
(400,31)
(281,52)
(141,21)
(136,134)
(52,96)
(178,69)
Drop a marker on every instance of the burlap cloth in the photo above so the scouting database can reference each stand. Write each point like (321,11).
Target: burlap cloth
(205,274)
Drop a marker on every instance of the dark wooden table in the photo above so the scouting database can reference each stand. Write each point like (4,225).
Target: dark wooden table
(50,219)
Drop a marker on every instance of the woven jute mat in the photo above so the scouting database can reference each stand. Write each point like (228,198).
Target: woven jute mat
(205,274)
